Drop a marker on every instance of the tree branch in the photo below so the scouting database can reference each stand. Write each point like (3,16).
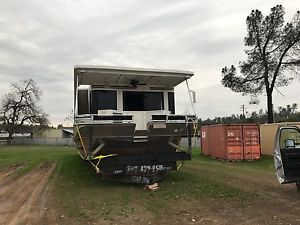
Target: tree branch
(295,62)
(280,61)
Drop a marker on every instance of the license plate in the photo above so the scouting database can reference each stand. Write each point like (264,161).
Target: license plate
(147,168)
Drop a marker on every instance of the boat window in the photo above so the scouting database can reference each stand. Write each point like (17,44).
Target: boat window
(142,101)
(103,99)
(171,102)
(83,102)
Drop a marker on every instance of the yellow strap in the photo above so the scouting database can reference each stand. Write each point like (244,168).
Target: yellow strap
(99,159)
(103,156)
(178,166)
(81,141)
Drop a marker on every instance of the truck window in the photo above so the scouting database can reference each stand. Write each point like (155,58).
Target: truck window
(103,99)
(142,101)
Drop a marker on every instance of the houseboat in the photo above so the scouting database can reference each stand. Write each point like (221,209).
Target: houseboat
(125,123)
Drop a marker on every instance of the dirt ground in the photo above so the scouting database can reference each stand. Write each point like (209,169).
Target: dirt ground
(272,203)
(24,201)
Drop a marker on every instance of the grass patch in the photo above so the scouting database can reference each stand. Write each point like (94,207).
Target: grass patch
(263,166)
(82,194)
(98,198)
(31,156)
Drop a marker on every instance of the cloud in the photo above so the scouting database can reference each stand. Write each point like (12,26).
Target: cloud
(43,40)
(218,101)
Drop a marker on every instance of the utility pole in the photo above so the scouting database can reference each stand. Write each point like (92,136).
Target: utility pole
(243,108)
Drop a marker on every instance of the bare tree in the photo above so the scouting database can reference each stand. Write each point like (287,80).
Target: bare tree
(273,50)
(20,107)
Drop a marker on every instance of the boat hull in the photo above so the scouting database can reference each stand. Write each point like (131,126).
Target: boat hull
(118,153)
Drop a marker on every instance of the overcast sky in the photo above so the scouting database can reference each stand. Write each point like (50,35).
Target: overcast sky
(43,40)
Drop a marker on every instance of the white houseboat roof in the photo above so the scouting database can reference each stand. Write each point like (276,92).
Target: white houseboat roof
(125,76)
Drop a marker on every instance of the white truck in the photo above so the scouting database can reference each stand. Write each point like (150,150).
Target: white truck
(287,155)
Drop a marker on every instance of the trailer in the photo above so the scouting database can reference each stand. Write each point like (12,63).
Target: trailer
(125,124)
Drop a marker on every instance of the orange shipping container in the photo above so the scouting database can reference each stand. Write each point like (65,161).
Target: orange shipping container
(231,142)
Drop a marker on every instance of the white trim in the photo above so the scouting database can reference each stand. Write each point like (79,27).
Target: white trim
(166,101)
(120,76)
(120,100)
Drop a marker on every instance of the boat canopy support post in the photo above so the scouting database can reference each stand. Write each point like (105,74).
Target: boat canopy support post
(189,139)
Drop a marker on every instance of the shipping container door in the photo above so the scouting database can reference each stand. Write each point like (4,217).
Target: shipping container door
(234,142)
(217,142)
(205,141)
(251,142)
